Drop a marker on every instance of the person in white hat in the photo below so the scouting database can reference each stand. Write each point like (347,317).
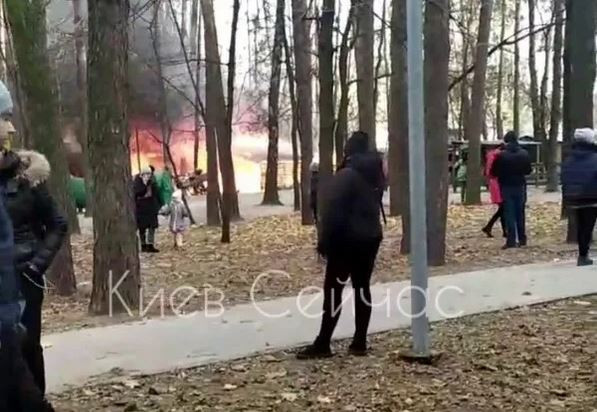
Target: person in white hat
(179,218)
(579,188)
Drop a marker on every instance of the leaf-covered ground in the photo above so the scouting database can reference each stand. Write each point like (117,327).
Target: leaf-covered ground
(542,358)
(281,243)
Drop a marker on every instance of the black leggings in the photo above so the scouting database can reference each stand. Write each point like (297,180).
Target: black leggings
(586,223)
(32,350)
(499,214)
(357,264)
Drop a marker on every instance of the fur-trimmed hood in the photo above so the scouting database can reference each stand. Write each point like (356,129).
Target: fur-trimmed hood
(27,165)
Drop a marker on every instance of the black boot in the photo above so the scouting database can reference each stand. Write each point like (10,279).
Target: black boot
(584,261)
(315,351)
(144,248)
(358,349)
(152,249)
(487,231)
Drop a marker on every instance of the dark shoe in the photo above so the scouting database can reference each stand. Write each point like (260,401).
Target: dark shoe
(314,352)
(358,349)
(144,248)
(522,244)
(487,231)
(152,249)
(584,261)
(506,247)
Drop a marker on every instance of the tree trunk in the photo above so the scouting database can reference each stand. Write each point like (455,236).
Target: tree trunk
(398,124)
(579,75)
(271,195)
(116,250)
(538,128)
(211,145)
(437,59)
(296,185)
(326,90)
(229,205)
(342,122)
(465,101)
(516,97)
(195,22)
(303,61)
(499,120)
(556,98)
(381,48)
(475,124)
(365,71)
(543,99)
(185,6)
(28,27)
(196,48)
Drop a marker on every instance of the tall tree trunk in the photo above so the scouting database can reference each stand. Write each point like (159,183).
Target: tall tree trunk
(195,21)
(500,85)
(475,124)
(465,101)
(271,195)
(197,39)
(296,185)
(343,69)
(381,48)
(116,250)
(398,124)
(326,90)
(579,75)
(28,26)
(229,204)
(211,145)
(556,97)
(303,62)
(543,98)
(437,59)
(538,130)
(185,7)
(516,97)
(365,71)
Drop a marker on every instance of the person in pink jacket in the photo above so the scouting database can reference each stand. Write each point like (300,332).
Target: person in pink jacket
(494,192)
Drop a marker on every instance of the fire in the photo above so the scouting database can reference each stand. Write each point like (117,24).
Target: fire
(247,152)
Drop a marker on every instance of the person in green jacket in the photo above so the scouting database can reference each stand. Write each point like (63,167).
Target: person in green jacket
(166,186)
(460,168)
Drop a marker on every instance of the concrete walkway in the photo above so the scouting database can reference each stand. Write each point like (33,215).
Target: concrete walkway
(76,357)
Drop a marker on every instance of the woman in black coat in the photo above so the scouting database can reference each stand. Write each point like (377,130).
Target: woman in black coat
(148,204)
(39,232)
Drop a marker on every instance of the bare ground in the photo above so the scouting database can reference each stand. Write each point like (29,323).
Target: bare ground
(542,358)
(281,243)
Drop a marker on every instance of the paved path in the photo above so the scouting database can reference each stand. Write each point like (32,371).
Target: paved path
(76,357)
(250,205)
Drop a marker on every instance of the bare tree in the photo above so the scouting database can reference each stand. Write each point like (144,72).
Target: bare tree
(28,29)
(534,86)
(398,124)
(556,97)
(294,129)
(500,85)
(303,61)
(364,51)
(271,195)
(437,62)
(474,126)
(223,127)
(326,89)
(343,69)
(516,92)
(116,250)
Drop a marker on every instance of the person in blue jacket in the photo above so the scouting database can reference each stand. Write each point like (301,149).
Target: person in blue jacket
(579,188)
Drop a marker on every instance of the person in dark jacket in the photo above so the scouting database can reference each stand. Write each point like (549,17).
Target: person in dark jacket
(22,382)
(579,188)
(147,200)
(39,232)
(350,233)
(511,167)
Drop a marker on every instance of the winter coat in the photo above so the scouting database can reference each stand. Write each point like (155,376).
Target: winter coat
(147,202)
(461,169)
(351,205)
(579,176)
(9,291)
(494,186)
(39,226)
(512,166)
(178,214)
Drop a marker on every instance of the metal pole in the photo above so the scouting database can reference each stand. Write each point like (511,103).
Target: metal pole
(418,204)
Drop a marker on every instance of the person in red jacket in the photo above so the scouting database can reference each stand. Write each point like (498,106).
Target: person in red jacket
(495,193)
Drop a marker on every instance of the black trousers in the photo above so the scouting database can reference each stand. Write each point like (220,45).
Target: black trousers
(499,214)
(32,350)
(18,390)
(586,218)
(357,263)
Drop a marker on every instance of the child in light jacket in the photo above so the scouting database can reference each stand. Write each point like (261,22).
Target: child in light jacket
(178,218)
